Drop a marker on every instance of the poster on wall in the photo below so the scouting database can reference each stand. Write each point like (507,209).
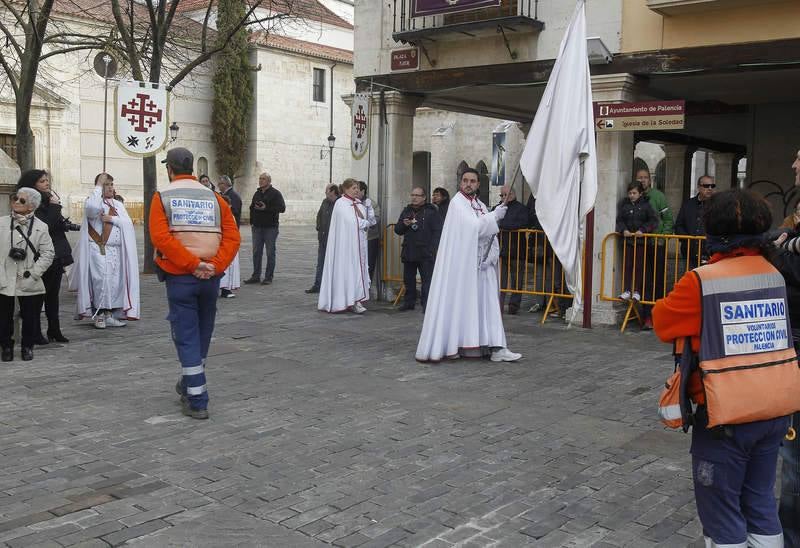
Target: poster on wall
(141,117)
(498,177)
(359,130)
(420,8)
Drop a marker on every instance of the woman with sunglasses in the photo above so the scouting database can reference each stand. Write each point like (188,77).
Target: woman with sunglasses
(27,252)
(49,212)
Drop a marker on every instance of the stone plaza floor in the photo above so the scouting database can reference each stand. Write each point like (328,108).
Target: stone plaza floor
(325,431)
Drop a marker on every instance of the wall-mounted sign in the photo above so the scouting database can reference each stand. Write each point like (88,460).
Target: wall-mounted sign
(434,7)
(359,132)
(405,59)
(643,116)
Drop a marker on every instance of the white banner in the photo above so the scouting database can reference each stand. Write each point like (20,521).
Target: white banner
(141,123)
(359,130)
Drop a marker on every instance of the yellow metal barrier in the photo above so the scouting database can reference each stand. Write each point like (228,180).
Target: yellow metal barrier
(649,264)
(392,271)
(134,209)
(530,267)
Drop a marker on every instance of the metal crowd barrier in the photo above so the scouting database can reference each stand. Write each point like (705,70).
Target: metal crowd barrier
(529,266)
(650,264)
(134,209)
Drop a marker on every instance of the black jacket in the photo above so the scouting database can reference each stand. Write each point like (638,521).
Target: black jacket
(236,204)
(273,200)
(442,208)
(533,218)
(324,215)
(516,217)
(635,216)
(419,245)
(690,221)
(50,214)
(788,264)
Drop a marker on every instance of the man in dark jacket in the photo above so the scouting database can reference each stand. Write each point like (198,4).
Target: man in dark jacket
(265,207)
(225,186)
(421,226)
(690,217)
(512,248)
(323,226)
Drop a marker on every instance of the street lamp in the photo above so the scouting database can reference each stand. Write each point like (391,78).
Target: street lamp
(173,132)
(331,144)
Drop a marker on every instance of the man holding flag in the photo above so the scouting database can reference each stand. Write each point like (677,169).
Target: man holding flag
(559,160)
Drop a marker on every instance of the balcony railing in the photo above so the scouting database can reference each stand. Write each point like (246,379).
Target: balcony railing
(510,15)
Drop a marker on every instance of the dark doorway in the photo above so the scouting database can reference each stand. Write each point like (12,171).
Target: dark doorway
(421,171)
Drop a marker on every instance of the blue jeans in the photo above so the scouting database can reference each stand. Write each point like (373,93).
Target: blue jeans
(790,489)
(192,311)
(734,481)
(264,236)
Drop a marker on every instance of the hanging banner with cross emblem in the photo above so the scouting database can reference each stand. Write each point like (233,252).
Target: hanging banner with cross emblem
(141,121)
(359,131)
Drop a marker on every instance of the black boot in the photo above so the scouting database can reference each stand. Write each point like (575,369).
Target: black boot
(27,354)
(7,354)
(57,336)
(41,340)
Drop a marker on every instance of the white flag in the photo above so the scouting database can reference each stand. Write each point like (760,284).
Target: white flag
(560,139)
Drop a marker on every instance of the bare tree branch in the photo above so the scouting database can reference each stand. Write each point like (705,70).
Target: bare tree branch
(12,40)
(9,74)
(7,4)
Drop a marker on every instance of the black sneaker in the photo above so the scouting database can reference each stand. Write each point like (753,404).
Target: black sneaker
(314,289)
(27,354)
(187,410)
(7,354)
(266,281)
(252,280)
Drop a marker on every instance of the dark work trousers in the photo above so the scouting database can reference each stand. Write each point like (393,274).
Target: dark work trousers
(323,244)
(654,285)
(790,478)
(192,311)
(734,481)
(264,236)
(373,251)
(410,269)
(52,285)
(30,308)
(634,265)
(510,274)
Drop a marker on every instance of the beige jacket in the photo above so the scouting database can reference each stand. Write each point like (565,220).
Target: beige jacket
(13,282)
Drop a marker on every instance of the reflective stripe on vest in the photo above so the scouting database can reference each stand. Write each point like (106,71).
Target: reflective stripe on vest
(194,217)
(747,360)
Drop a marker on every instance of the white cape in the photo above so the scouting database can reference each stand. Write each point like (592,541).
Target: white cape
(232,279)
(345,276)
(79,276)
(463,310)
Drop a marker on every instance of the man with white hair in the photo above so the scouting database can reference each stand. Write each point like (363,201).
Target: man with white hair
(266,206)
(106,273)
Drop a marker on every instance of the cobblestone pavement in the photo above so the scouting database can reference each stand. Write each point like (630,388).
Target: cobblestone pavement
(324,430)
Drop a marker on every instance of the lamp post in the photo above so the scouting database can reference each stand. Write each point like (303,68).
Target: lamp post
(174,128)
(331,144)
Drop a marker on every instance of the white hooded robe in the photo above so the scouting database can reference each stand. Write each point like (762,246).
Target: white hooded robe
(463,314)
(345,275)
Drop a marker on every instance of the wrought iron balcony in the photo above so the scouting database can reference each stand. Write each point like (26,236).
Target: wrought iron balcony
(510,15)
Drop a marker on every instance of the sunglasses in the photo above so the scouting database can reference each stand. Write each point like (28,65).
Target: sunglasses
(15,198)
(712,185)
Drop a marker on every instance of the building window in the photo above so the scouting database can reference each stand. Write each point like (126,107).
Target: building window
(202,166)
(319,85)
(8,142)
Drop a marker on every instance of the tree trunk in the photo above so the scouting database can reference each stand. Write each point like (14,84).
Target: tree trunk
(25,149)
(149,189)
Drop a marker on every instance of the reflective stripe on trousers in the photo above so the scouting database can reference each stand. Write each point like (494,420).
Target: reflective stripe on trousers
(753,541)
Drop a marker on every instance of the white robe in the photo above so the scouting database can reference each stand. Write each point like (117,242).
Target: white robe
(463,314)
(232,279)
(109,281)
(345,274)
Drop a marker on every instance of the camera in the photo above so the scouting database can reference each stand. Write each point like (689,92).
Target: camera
(17,253)
(414,226)
(70,226)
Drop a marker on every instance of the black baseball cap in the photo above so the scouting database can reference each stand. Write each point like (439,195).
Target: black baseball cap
(179,158)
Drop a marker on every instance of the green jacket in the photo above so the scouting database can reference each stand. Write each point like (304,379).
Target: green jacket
(659,203)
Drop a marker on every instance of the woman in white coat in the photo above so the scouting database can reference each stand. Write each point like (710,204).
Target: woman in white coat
(26,251)
(345,279)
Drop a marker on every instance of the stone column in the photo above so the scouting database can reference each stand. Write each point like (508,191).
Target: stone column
(725,164)
(388,165)
(614,165)
(675,176)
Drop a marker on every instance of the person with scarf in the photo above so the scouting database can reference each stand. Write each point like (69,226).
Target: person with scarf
(49,212)
(27,253)
(740,374)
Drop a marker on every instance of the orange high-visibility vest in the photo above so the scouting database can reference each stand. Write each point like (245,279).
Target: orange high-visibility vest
(747,360)
(194,217)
